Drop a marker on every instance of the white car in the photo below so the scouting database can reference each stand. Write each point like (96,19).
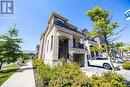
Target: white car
(102,62)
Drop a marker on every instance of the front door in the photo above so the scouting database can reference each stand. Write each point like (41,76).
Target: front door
(63,49)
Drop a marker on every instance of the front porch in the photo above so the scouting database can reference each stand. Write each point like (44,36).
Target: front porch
(71,48)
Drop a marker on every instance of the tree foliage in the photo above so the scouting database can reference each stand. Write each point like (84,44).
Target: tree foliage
(10,49)
(102,27)
(96,48)
(118,46)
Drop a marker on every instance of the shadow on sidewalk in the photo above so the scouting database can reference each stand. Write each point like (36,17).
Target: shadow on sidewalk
(23,69)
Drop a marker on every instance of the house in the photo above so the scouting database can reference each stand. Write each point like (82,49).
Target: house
(62,40)
(91,42)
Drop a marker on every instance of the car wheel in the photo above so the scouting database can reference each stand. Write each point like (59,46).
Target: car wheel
(106,66)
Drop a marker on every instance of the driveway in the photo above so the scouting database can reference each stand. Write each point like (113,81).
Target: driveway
(89,71)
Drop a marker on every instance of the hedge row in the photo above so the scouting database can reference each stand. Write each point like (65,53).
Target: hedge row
(126,65)
(69,75)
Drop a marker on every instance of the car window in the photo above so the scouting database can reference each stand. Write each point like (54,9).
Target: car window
(93,58)
(98,58)
(101,58)
(105,58)
(113,59)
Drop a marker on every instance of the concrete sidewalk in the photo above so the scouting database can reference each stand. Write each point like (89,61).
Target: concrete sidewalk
(22,78)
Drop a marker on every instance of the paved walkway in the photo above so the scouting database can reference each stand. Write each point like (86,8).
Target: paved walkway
(22,78)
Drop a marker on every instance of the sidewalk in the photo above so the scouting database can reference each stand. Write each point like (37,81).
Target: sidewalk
(22,78)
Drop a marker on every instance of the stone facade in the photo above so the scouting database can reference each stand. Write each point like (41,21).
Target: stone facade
(62,40)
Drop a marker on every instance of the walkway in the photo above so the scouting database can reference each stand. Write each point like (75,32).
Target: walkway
(22,78)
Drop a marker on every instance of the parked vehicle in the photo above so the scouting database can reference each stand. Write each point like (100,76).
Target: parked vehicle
(126,58)
(128,53)
(102,62)
(118,60)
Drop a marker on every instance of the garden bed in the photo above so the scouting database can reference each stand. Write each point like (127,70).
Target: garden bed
(126,65)
(69,75)
(36,77)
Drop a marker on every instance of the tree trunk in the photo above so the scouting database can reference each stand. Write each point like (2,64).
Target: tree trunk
(1,65)
(108,51)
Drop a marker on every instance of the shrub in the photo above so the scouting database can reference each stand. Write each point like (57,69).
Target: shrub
(68,75)
(109,79)
(98,81)
(37,62)
(44,71)
(126,65)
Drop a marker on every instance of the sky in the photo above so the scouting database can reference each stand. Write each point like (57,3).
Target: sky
(31,17)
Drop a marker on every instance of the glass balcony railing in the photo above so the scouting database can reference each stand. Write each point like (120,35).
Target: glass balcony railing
(78,45)
(59,23)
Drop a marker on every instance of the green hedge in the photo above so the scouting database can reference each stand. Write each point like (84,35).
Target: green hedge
(44,71)
(126,65)
(69,75)
(109,79)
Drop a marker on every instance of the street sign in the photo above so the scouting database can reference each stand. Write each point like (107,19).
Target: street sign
(127,14)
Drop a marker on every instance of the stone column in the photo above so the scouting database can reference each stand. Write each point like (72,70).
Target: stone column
(85,59)
(70,41)
(55,47)
(70,45)
(89,51)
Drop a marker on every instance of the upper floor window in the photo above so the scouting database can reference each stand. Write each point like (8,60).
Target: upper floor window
(59,22)
(47,45)
(51,42)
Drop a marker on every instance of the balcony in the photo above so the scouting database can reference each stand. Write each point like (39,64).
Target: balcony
(78,45)
(66,25)
(77,50)
(90,40)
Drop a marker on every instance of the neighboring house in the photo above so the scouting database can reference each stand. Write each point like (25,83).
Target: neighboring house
(62,40)
(91,42)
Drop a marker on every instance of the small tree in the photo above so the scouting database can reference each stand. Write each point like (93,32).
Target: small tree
(10,49)
(1,54)
(102,27)
(95,48)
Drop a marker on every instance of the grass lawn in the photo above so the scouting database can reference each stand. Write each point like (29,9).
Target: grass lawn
(7,72)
